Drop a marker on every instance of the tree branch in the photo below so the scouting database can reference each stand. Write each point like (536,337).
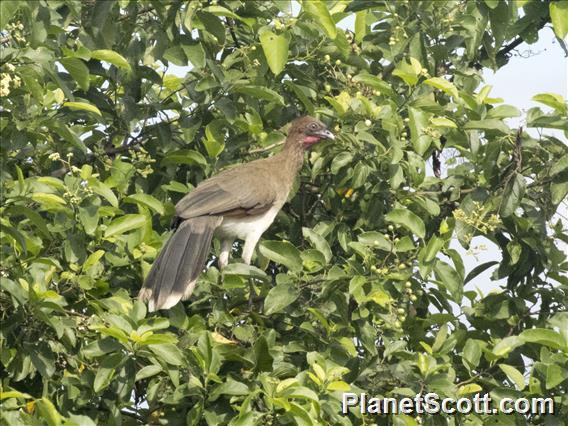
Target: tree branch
(231,24)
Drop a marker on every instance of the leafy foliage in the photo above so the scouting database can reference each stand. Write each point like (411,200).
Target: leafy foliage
(357,286)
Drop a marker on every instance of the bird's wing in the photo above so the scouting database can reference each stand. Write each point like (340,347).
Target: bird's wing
(244,190)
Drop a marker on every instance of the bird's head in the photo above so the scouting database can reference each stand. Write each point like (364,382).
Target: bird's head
(308,131)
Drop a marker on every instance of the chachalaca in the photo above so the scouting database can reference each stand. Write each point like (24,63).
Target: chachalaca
(240,202)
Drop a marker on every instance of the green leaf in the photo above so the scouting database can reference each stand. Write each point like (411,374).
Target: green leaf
(279,297)
(407,219)
(176,56)
(89,215)
(263,358)
(48,412)
(555,375)
(111,57)
(450,279)
(83,106)
(124,224)
(79,420)
(471,354)
(299,414)
(106,371)
(244,270)
(317,9)
(302,93)
(146,200)
(282,252)
(260,92)
(513,195)
(230,387)
(318,242)
(48,200)
(33,216)
(16,235)
(444,85)
(78,71)
(374,82)
(361,27)
(409,71)
(419,121)
(43,360)
(93,259)
(434,245)
(488,124)
(212,24)
(559,17)
(8,9)
(560,166)
(514,375)
(503,111)
(376,240)
(103,190)
(479,269)
(14,394)
(503,347)
(100,347)
(552,100)
(148,371)
(469,388)
(492,4)
(185,156)
(338,385)
(195,54)
(558,191)
(223,11)
(168,352)
(275,48)
(544,337)
(443,122)
(301,392)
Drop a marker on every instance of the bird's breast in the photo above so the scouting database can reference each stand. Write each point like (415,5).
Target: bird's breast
(244,226)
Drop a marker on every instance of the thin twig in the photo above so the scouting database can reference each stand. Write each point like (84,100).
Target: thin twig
(231,24)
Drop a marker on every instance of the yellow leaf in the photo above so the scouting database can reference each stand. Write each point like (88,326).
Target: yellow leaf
(84,106)
(470,388)
(319,371)
(221,339)
(338,385)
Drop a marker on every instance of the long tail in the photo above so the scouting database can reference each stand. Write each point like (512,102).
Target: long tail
(177,267)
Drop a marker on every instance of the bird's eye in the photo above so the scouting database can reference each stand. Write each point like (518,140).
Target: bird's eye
(313,126)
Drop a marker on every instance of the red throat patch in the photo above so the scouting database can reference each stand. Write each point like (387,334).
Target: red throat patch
(310,140)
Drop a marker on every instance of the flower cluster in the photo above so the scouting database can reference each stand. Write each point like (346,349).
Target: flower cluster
(478,219)
(9,79)
(142,160)
(16,32)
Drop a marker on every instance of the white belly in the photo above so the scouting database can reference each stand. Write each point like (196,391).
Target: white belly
(243,227)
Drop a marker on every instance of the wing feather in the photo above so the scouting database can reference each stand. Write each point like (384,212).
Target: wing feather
(241,191)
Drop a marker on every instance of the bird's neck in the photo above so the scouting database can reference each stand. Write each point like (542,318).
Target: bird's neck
(292,156)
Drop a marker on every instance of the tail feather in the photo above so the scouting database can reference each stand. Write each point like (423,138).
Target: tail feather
(177,267)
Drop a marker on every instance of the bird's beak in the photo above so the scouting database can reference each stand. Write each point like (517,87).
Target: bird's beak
(325,134)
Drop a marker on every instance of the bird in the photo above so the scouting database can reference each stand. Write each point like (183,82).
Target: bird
(238,203)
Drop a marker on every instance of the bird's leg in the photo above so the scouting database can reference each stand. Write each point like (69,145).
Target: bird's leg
(248,250)
(226,246)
